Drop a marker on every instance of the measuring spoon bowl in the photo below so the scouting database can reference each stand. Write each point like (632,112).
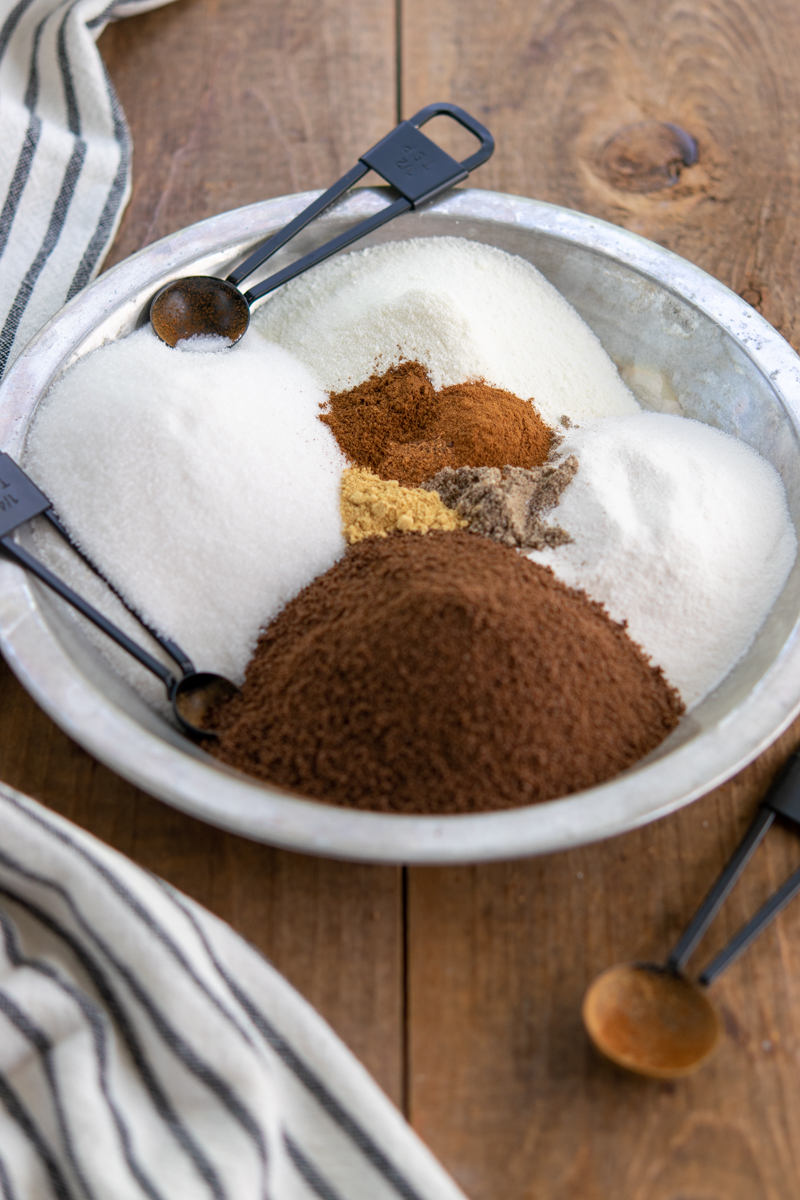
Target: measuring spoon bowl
(651,1020)
(196,696)
(199,306)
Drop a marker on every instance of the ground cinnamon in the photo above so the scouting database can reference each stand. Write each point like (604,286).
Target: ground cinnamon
(398,426)
(443,674)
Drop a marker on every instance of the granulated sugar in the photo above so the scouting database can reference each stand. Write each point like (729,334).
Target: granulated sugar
(464,310)
(680,530)
(203,485)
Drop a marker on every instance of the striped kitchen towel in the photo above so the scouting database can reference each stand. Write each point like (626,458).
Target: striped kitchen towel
(65,158)
(147,1051)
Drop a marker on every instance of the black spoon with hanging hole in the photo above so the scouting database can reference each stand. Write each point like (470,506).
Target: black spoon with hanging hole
(203,306)
(194,694)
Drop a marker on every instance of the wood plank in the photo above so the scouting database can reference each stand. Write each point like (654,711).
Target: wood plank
(234,101)
(230,102)
(504,1085)
(333,929)
(558,81)
(502,1082)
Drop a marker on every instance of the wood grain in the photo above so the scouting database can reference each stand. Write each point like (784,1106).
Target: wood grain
(234,101)
(504,1084)
(557,80)
(229,102)
(596,106)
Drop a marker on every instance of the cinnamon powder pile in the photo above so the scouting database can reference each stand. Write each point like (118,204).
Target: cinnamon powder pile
(398,426)
(443,674)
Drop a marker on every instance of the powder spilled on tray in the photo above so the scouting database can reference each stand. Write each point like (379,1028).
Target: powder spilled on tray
(443,674)
(398,426)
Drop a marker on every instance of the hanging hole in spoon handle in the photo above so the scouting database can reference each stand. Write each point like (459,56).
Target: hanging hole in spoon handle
(204,306)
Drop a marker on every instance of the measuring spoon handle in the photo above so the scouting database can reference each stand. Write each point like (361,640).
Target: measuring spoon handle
(408,160)
(329,248)
(705,914)
(26,560)
(749,932)
(273,244)
(175,652)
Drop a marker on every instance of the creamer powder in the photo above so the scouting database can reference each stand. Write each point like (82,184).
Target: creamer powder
(464,310)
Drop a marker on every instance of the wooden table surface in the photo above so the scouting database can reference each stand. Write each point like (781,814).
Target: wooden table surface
(460,988)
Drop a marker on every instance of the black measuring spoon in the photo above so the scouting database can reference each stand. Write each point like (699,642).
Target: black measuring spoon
(650,1017)
(204,306)
(194,694)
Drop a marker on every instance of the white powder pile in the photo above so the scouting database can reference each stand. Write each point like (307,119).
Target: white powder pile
(680,530)
(203,343)
(203,485)
(465,310)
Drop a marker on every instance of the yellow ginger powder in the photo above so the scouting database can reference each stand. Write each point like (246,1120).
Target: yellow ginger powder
(373,507)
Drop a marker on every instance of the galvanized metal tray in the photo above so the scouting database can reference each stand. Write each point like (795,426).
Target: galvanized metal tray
(683,342)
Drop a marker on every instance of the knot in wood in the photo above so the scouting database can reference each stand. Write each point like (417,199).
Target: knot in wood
(648,156)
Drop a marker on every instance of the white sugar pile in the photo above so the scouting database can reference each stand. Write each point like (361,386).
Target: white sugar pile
(465,310)
(203,485)
(680,530)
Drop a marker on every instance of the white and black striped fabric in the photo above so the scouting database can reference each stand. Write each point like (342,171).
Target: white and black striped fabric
(65,155)
(146,1051)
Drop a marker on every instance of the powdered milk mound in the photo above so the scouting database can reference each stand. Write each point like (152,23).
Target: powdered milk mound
(465,310)
(203,485)
(680,530)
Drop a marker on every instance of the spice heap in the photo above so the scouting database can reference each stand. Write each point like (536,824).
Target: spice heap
(373,507)
(398,426)
(443,674)
(507,506)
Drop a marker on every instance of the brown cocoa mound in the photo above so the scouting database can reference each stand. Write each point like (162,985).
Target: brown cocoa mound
(398,426)
(443,674)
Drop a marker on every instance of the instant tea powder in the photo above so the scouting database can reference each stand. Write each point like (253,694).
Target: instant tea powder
(443,673)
